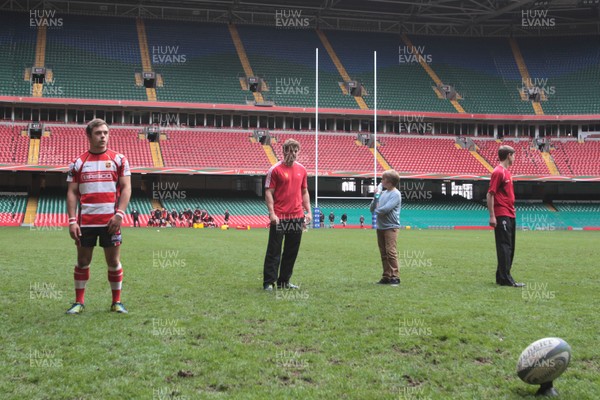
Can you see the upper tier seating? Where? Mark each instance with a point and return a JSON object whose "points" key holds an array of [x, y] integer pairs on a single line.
{"points": [[198, 62], [482, 70], [17, 46], [400, 86], [94, 57], [286, 58], [567, 68]]}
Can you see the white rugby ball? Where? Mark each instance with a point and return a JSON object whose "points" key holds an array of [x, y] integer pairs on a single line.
{"points": [[544, 360]]}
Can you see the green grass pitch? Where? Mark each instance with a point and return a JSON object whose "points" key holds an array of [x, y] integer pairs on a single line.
{"points": [[200, 327]]}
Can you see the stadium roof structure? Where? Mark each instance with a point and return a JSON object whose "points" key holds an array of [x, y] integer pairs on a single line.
{"points": [[424, 17]]}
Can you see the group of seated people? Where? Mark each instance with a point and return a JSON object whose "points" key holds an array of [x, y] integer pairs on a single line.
{"points": [[180, 219]]}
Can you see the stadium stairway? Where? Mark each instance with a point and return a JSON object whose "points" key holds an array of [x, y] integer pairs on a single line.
{"points": [[151, 94], [525, 77], [52, 210], [33, 156], [270, 154], [482, 160], [156, 204], [429, 70], [566, 68], [145, 55], [30, 210], [338, 64], [40, 58], [40, 47], [241, 52], [37, 90], [550, 163], [381, 160], [157, 158]]}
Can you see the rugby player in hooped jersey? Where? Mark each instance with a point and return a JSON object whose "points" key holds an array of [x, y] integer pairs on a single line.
{"points": [[97, 197]]}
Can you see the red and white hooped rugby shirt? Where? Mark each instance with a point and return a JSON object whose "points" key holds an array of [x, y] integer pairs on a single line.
{"points": [[98, 177]]}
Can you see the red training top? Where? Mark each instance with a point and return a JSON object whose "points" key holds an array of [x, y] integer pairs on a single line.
{"points": [[501, 186], [98, 177], [288, 183]]}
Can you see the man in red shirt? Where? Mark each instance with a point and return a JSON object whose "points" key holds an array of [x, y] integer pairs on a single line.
{"points": [[100, 186], [501, 205], [287, 198]]}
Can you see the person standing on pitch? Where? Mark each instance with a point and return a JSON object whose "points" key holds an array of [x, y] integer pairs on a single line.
{"points": [[226, 217], [386, 205], [100, 186], [501, 205], [287, 198], [136, 218]]}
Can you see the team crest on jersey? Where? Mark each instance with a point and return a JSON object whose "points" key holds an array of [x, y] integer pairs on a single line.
{"points": [[108, 164], [71, 171]]}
